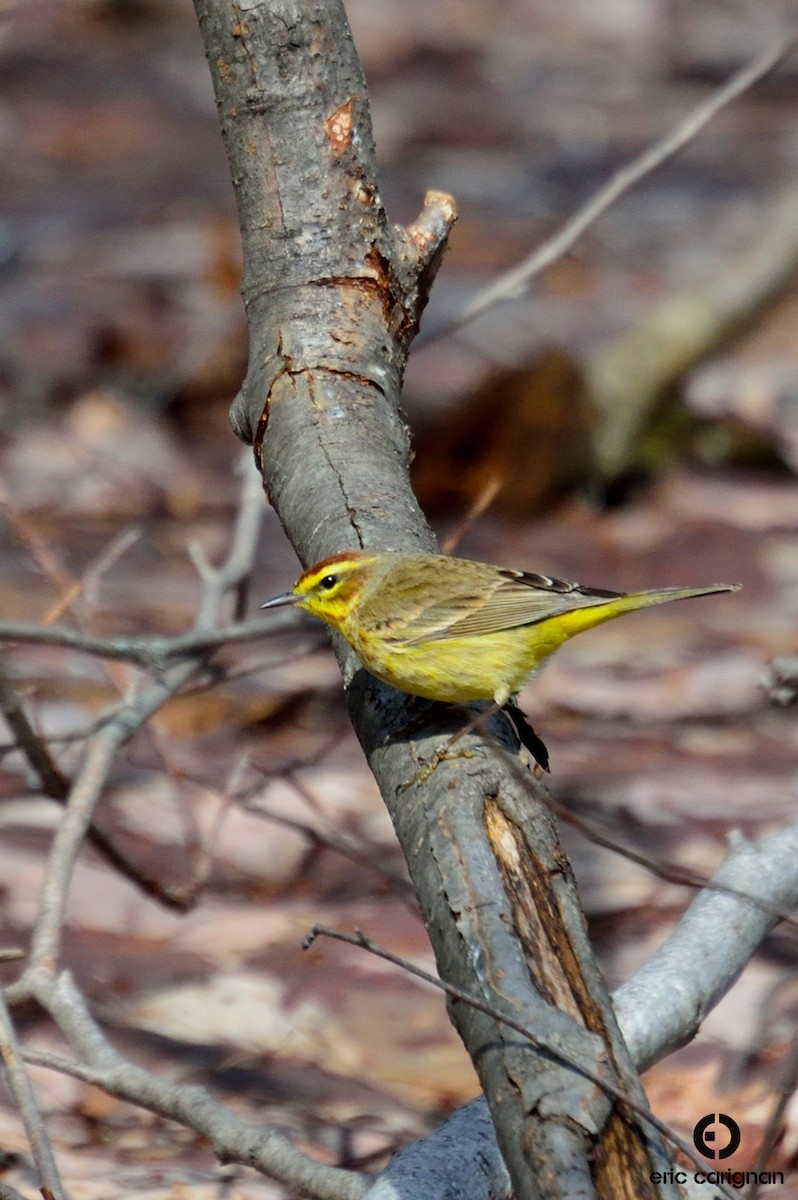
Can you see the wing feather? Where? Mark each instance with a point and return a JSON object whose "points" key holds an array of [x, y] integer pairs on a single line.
{"points": [[501, 600]]}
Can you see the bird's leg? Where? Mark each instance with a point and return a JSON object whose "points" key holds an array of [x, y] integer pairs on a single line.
{"points": [[444, 751], [521, 728], [478, 721], [500, 698], [523, 731]]}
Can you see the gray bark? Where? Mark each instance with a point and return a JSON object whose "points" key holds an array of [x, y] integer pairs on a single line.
{"points": [[334, 295]]}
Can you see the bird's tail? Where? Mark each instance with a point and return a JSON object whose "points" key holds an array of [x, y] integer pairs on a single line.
{"points": [[663, 595], [598, 610]]}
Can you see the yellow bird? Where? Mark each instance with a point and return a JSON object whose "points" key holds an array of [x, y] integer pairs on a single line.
{"points": [[454, 630]]}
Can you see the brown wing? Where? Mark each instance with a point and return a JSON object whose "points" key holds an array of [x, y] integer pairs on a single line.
{"points": [[500, 600]]}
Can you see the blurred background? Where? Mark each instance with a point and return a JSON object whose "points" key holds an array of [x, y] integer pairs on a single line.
{"points": [[632, 422]]}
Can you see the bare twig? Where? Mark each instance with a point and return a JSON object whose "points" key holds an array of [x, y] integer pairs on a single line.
{"points": [[40, 978], [514, 283], [178, 897], [27, 533], [362, 857], [359, 940], [481, 504], [264, 1149], [93, 775], [55, 785], [658, 1010], [90, 578], [203, 859], [216, 674], [52, 781], [219, 673], [773, 1125], [21, 1089], [670, 872], [151, 653], [81, 734], [194, 847], [85, 792]]}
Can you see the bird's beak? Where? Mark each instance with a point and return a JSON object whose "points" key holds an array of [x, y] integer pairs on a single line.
{"points": [[281, 601]]}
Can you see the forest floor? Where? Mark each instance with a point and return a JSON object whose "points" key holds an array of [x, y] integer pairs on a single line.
{"points": [[122, 341]]}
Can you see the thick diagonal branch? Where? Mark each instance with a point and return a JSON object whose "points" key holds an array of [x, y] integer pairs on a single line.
{"points": [[333, 297]]}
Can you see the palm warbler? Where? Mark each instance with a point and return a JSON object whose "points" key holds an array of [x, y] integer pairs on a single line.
{"points": [[455, 630]]}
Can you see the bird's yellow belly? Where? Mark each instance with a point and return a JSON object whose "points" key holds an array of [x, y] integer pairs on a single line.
{"points": [[459, 670]]}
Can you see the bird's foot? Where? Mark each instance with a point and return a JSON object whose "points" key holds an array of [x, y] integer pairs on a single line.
{"points": [[427, 769]]}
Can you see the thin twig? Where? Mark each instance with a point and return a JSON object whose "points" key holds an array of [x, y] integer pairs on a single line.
{"points": [[514, 283], [93, 775], [262, 1148], [151, 653], [82, 734], [178, 897], [26, 531], [332, 841], [359, 940], [683, 876], [56, 785], [367, 857], [22, 1091], [481, 504], [51, 779], [85, 792], [87, 583], [204, 861], [773, 1125], [217, 673], [670, 872], [192, 841]]}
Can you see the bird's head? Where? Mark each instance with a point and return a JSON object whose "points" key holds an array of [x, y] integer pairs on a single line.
{"points": [[331, 588]]}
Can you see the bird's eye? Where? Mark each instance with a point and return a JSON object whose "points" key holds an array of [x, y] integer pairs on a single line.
{"points": [[329, 581]]}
